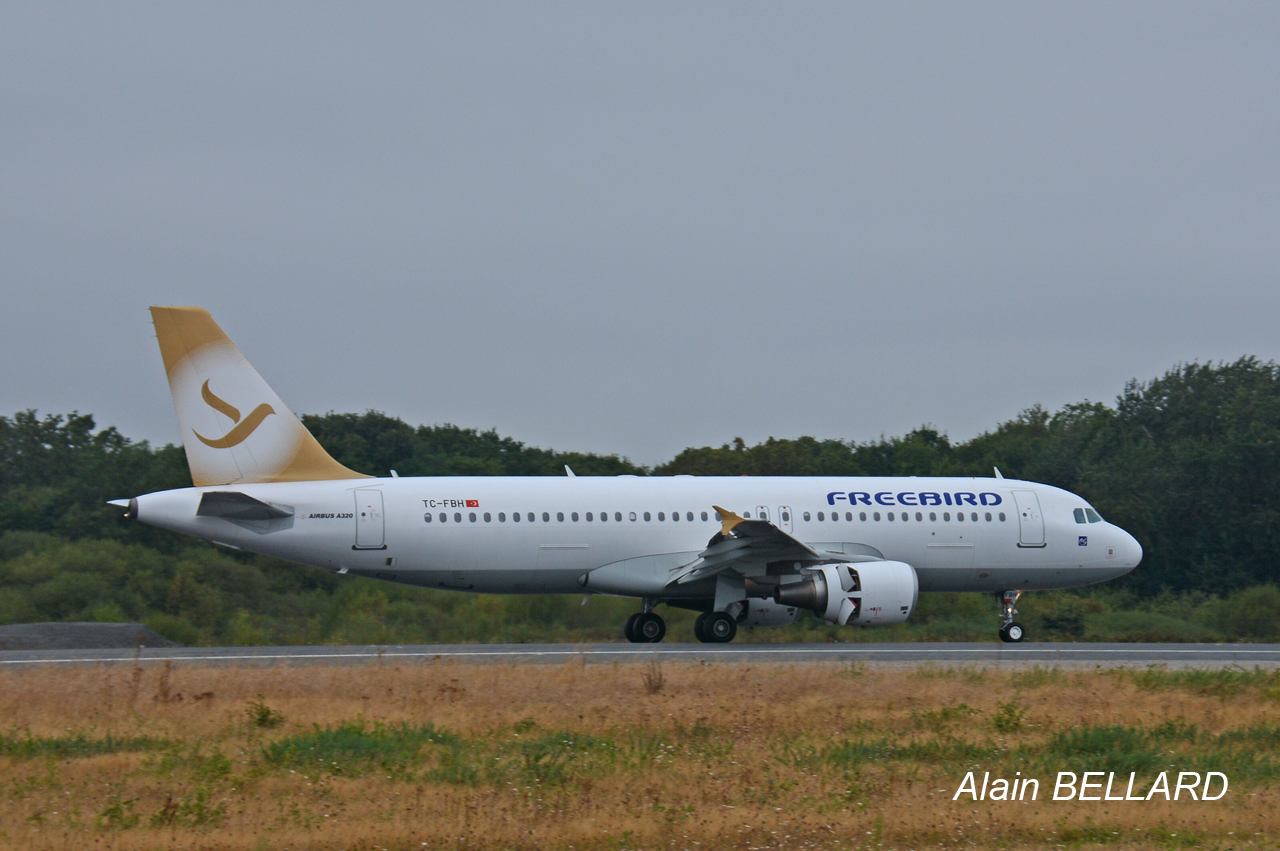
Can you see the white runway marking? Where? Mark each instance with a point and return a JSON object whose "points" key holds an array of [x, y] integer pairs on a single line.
{"points": [[1074, 654]]}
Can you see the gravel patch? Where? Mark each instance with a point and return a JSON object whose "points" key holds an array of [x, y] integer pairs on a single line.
{"points": [[80, 636]]}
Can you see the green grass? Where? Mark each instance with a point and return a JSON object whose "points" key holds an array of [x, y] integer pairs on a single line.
{"points": [[26, 746], [354, 747], [1213, 682]]}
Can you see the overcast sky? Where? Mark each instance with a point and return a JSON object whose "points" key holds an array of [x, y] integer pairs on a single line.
{"points": [[636, 228]]}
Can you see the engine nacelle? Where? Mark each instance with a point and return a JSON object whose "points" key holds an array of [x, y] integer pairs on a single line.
{"points": [[871, 593], [759, 612]]}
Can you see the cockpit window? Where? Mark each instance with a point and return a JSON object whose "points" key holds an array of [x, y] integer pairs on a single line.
{"points": [[1092, 515], [1079, 513]]}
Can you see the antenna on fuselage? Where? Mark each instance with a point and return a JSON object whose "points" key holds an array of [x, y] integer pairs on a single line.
{"points": [[570, 473], [997, 469]]}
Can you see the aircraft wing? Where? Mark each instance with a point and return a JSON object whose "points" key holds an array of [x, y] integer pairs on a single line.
{"points": [[741, 540]]}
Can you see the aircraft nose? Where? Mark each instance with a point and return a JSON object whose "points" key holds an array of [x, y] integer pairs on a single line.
{"points": [[1130, 549]]}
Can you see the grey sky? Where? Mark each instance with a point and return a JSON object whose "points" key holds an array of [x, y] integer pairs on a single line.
{"points": [[635, 228]]}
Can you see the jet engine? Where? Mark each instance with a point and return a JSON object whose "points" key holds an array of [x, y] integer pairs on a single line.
{"points": [[871, 593]]}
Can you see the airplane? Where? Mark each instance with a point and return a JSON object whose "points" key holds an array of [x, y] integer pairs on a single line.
{"points": [[742, 551]]}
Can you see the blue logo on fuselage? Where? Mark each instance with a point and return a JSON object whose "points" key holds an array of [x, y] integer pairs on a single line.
{"points": [[1084, 540], [913, 499]]}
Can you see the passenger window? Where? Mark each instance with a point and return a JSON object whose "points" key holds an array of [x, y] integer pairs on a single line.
{"points": [[444, 518], [1079, 515], [502, 517], [574, 517], [973, 515], [529, 516], [560, 516], [848, 515], [786, 517], [806, 517], [617, 515], [933, 517], [876, 516], [821, 516], [588, 516], [632, 516], [675, 516], [426, 517], [688, 516], [704, 515], [515, 517], [472, 517], [988, 516], [661, 516], [647, 517], [488, 518], [1092, 515], [746, 514], [946, 517], [1001, 516], [862, 515], [959, 516], [457, 517], [546, 518], [604, 516], [890, 516], [919, 517]]}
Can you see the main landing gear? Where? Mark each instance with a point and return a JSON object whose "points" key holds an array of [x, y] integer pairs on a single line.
{"points": [[645, 627], [715, 628], [1012, 631]]}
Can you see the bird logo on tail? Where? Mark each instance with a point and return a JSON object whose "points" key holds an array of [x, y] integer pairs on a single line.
{"points": [[242, 428]]}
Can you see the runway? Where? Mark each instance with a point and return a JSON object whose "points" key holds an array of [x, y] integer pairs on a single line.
{"points": [[976, 654]]}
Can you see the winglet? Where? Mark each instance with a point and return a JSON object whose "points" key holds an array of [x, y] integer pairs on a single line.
{"points": [[728, 520], [997, 469]]}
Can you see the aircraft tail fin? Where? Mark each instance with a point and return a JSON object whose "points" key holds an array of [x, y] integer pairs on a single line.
{"points": [[234, 427]]}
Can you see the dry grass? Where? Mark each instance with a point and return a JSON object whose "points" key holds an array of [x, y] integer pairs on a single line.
{"points": [[444, 755]]}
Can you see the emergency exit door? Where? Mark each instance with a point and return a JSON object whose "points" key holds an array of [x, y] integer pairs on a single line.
{"points": [[370, 529], [784, 519]]}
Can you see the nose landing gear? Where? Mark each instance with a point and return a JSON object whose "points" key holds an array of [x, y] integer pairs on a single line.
{"points": [[1011, 632]]}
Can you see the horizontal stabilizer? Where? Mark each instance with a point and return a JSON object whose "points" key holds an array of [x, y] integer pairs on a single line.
{"points": [[234, 505]]}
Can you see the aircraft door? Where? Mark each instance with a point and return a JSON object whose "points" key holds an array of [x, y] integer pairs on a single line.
{"points": [[784, 519], [370, 528], [762, 512], [1030, 520]]}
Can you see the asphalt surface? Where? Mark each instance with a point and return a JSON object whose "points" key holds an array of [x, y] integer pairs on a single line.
{"points": [[977, 654]]}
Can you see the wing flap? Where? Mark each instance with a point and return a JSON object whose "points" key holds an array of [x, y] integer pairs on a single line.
{"points": [[741, 540]]}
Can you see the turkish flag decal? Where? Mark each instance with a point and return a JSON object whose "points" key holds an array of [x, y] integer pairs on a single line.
{"points": [[473, 503]]}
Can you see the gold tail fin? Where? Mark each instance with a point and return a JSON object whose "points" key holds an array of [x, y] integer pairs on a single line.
{"points": [[212, 384]]}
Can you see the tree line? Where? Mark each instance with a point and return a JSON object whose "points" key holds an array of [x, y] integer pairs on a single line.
{"points": [[1188, 462]]}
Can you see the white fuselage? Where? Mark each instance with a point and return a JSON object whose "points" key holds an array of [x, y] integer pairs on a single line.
{"points": [[960, 534]]}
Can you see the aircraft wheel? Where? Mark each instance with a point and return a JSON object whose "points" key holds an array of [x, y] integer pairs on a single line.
{"points": [[649, 628], [719, 628], [1012, 633], [629, 630], [700, 627]]}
